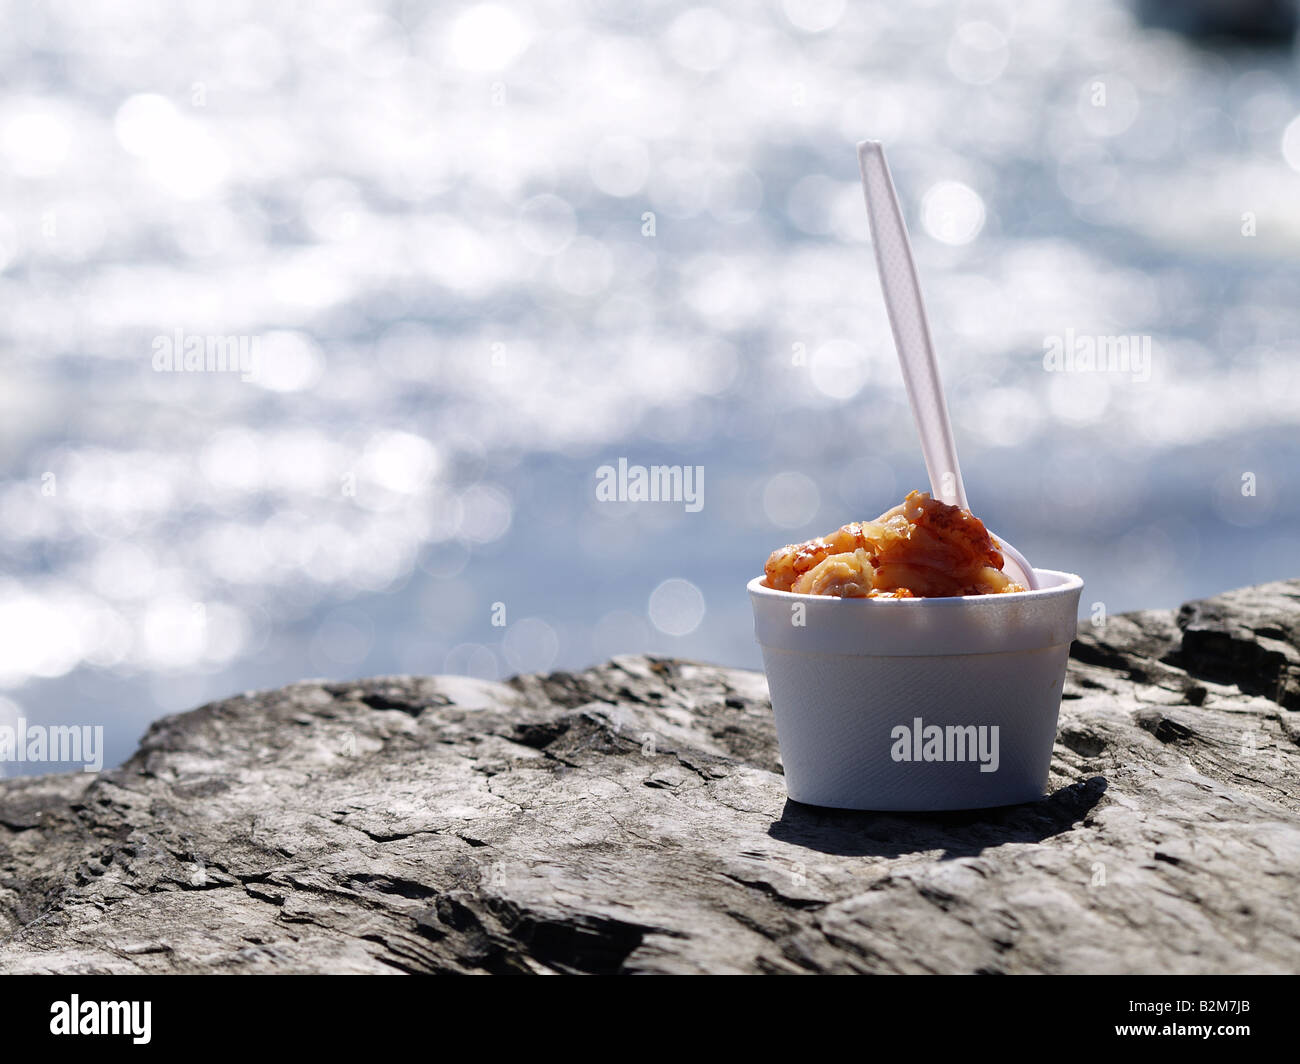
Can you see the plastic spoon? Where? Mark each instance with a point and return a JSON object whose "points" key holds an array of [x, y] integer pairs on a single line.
{"points": [[915, 351]]}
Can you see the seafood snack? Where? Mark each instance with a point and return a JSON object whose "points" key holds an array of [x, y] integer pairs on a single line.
{"points": [[921, 548]]}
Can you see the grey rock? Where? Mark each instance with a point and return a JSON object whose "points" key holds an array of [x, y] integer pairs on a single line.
{"points": [[632, 818]]}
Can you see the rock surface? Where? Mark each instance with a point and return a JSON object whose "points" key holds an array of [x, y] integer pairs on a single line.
{"points": [[632, 818]]}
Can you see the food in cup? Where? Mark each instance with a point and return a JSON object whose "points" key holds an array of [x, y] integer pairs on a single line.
{"points": [[921, 548], [846, 674], [851, 678]]}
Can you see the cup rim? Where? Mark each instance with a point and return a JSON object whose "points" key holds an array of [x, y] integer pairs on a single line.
{"points": [[1070, 582]]}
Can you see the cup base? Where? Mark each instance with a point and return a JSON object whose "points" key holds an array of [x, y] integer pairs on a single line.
{"points": [[916, 734], [914, 808]]}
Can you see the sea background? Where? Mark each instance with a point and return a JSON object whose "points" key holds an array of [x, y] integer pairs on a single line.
{"points": [[484, 250]]}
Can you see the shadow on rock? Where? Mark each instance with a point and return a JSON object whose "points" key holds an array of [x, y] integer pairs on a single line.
{"points": [[849, 833]]}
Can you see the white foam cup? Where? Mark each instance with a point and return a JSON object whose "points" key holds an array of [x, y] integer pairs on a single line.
{"points": [[917, 704]]}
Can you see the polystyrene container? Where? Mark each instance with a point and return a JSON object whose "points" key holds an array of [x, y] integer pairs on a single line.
{"points": [[917, 704]]}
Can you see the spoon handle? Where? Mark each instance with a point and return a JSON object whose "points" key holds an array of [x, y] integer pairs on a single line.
{"points": [[911, 331]]}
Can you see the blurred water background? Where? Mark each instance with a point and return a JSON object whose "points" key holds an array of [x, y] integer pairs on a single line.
{"points": [[487, 249]]}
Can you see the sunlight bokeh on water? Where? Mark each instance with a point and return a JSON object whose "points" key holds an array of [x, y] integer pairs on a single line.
{"points": [[475, 254]]}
